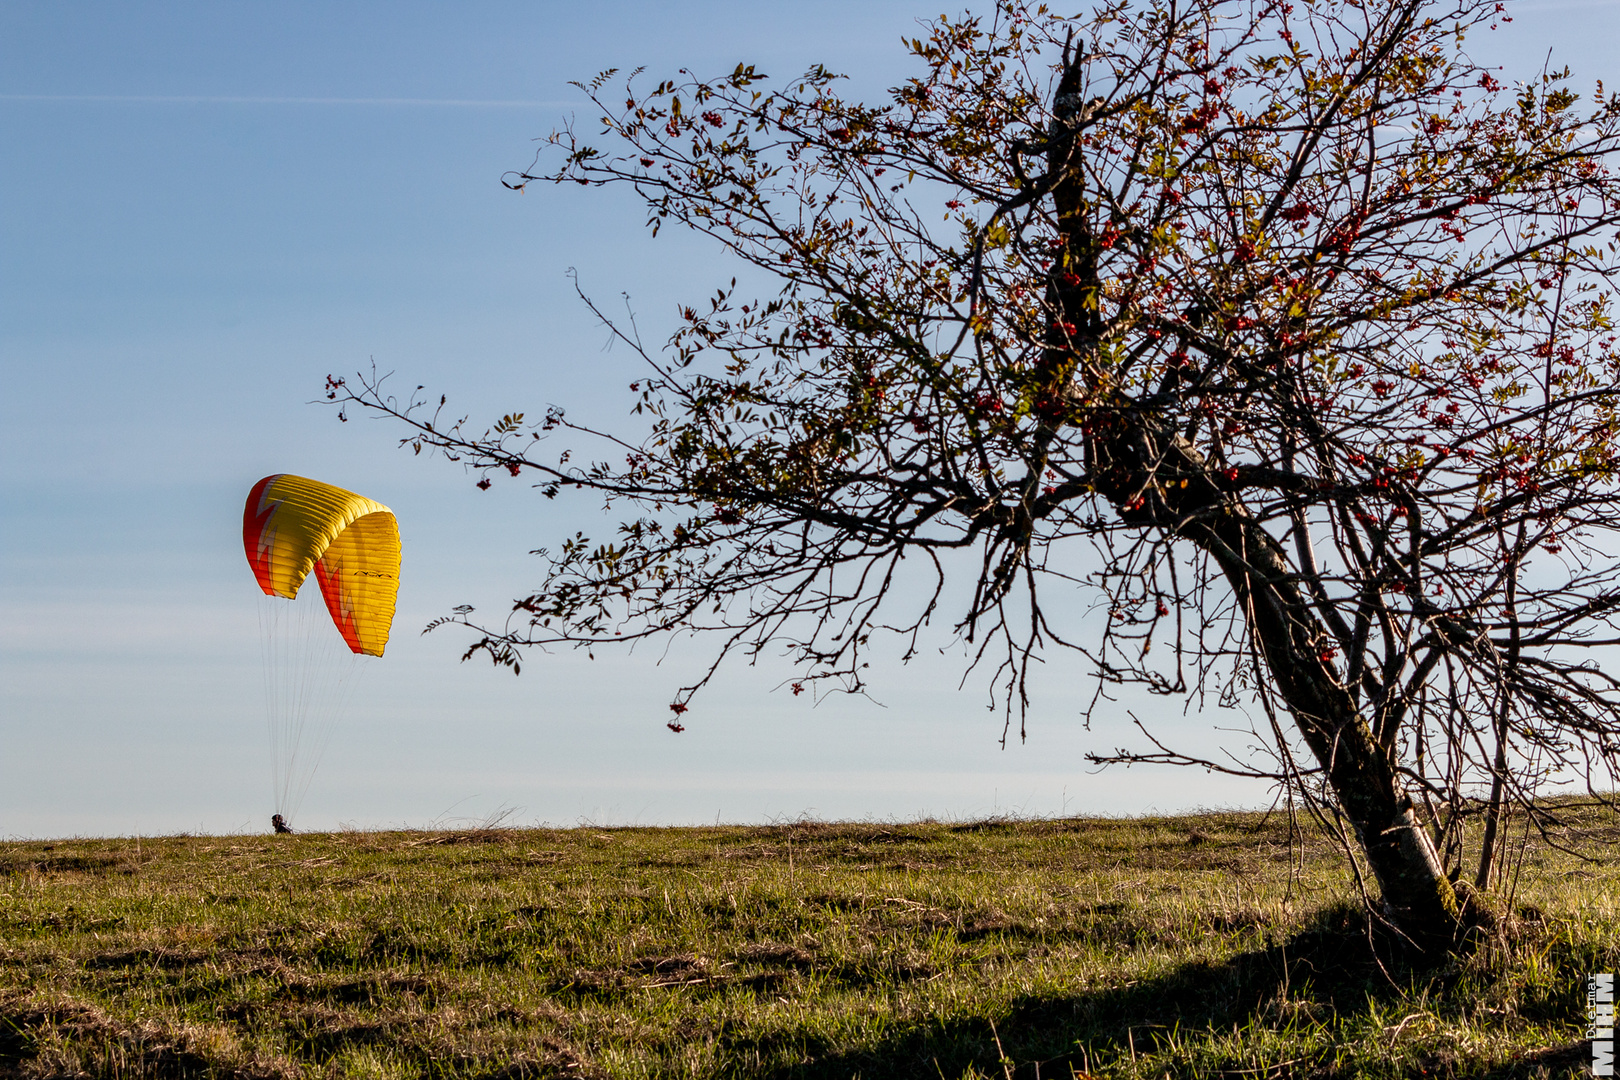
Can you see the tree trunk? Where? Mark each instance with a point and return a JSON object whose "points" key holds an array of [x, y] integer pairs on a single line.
{"points": [[1141, 466], [1417, 896], [1141, 470]]}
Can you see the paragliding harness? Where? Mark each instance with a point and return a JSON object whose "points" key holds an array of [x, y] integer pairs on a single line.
{"points": [[279, 823]]}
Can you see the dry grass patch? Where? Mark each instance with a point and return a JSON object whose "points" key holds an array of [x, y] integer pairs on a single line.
{"points": [[1199, 946]]}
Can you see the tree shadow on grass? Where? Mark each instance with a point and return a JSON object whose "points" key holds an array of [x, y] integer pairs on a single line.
{"points": [[1337, 967]]}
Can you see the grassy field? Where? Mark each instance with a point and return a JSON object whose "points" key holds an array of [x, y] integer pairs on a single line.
{"points": [[1197, 946]]}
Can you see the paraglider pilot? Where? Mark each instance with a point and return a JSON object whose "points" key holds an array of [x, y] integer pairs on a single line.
{"points": [[279, 823]]}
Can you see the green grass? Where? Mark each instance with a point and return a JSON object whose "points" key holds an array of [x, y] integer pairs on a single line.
{"points": [[1192, 946]]}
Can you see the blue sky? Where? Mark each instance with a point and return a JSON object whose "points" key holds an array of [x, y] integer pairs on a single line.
{"points": [[205, 209]]}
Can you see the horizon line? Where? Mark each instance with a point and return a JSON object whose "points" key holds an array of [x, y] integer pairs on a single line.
{"points": [[213, 99]]}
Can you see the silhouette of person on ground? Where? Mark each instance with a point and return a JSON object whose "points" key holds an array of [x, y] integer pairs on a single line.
{"points": [[279, 823]]}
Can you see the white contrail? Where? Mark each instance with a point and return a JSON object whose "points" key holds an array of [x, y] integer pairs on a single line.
{"points": [[201, 99], [1557, 5]]}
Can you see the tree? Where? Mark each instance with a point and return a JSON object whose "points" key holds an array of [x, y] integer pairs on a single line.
{"points": [[1293, 314]]}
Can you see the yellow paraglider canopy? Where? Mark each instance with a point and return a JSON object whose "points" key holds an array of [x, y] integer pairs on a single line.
{"points": [[293, 525]]}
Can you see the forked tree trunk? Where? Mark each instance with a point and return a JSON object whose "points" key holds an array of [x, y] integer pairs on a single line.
{"points": [[1141, 466]]}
